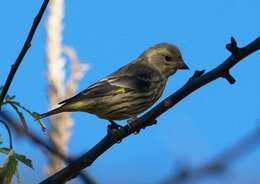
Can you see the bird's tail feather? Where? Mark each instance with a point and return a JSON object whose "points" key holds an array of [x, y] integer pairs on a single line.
{"points": [[50, 113]]}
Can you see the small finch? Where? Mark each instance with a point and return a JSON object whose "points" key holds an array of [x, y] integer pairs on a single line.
{"points": [[130, 90]]}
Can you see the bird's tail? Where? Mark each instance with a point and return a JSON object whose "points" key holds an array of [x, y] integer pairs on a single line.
{"points": [[50, 113]]}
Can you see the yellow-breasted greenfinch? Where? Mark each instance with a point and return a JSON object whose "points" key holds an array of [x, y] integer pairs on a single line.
{"points": [[130, 90]]}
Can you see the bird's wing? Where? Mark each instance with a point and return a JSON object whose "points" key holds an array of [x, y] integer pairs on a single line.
{"points": [[115, 84]]}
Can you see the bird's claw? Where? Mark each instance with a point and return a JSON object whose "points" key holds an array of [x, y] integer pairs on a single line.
{"points": [[129, 123], [113, 127]]}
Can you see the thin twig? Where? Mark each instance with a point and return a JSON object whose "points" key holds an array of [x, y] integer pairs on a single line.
{"points": [[26, 46], [9, 134], [35, 139], [198, 80]]}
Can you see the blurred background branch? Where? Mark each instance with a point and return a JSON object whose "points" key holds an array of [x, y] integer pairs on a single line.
{"points": [[41, 143], [220, 163]]}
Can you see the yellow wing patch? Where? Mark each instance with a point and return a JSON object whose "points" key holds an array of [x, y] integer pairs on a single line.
{"points": [[121, 90]]}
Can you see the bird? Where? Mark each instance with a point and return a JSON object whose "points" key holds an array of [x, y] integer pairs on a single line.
{"points": [[130, 90]]}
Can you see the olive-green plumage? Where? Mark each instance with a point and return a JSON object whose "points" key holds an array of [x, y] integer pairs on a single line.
{"points": [[131, 89]]}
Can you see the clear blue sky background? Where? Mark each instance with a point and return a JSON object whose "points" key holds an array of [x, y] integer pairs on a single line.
{"points": [[109, 34]]}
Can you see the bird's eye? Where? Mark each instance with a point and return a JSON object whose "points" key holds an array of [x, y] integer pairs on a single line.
{"points": [[168, 58]]}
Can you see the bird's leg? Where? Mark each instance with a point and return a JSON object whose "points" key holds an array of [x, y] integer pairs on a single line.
{"points": [[130, 120], [112, 127], [114, 124]]}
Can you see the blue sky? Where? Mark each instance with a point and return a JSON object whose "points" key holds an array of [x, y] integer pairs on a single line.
{"points": [[109, 34]]}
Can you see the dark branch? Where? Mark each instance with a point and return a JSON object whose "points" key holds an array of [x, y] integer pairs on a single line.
{"points": [[229, 77], [198, 80], [232, 46], [26, 46], [35, 139]]}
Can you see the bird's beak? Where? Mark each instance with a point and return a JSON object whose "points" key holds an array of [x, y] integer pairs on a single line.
{"points": [[183, 66]]}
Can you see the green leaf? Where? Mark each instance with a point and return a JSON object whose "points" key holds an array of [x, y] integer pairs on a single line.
{"points": [[8, 169], [16, 105], [5, 150], [33, 114], [20, 114], [36, 116], [1, 139], [24, 160], [19, 157], [9, 98]]}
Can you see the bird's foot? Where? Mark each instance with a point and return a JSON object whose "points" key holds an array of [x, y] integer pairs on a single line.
{"points": [[130, 121], [113, 127]]}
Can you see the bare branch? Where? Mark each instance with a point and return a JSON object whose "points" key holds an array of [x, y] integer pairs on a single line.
{"points": [[232, 46], [198, 80], [35, 139], [26, 46]]}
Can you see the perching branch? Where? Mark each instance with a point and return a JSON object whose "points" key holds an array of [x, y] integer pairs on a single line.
{"points": [[221, 162], [35, 139], [198, 80], [26, 46]]}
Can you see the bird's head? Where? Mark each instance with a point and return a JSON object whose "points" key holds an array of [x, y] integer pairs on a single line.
{"points": [[165, 58]]}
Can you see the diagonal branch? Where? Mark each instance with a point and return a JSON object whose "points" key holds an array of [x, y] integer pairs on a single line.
{"points": [[35, 139], [198, 80], [26, 46]]}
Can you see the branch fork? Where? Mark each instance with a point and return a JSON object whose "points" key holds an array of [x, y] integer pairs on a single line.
{"points": [[229, 77], [197, 74], [232, 46]]}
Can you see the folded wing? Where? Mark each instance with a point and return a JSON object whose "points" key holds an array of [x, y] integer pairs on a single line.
{"points": [[113, 85]]}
